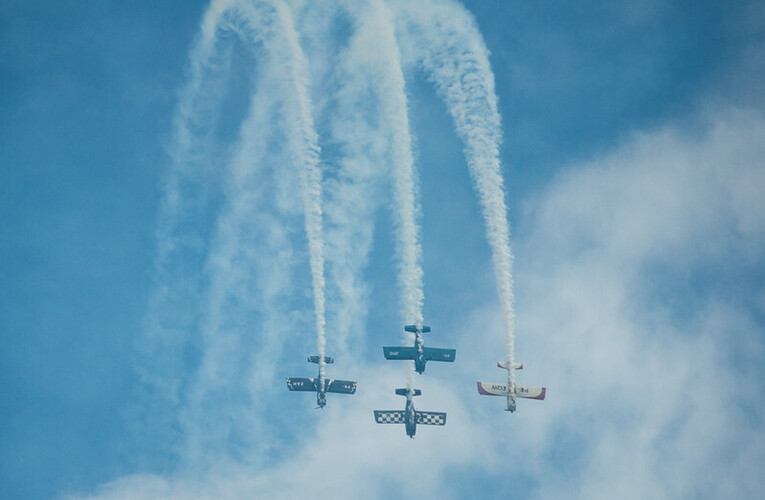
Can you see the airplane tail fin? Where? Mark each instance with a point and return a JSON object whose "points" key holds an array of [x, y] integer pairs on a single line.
{"points": [[315, 359], [404, 392], [413, 328], [505, 364]]}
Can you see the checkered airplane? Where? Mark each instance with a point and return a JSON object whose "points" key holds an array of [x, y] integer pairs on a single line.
{"points": [[410, 417]]}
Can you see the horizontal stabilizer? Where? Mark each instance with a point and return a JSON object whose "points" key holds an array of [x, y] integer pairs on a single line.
{"points": [[315, 359], [404, 392], [492, 389], [530, 392], [340, 386], [301, 384], [505, 364], [389, 416], [399, 352], [430, 417], [437, 354], [413, 329]]}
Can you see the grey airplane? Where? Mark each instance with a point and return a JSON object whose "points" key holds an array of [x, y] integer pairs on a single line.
{"points": [[419, 353], [321, 385]]}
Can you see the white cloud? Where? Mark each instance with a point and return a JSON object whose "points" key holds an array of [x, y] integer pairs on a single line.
{"points": [[640, 403], [653, 398]]}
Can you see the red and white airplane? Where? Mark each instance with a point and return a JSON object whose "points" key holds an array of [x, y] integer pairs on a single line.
{"points": [[511, 389]]}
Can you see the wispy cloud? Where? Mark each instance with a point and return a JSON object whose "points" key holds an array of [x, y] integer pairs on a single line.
{"points": [[640, 355]]}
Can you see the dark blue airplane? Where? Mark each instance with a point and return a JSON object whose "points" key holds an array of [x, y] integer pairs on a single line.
{"points": [[410, 417], [314, 384], [419, 353]]}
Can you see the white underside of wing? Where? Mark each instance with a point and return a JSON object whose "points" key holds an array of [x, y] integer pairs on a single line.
{"points": [[493, 389]]}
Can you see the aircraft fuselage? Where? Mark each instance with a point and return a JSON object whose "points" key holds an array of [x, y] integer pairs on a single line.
{"points": [[410, 418], [419, 360], [321, 399]]}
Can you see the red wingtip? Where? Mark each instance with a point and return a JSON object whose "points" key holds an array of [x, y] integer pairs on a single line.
{"points": [[481, 390]]}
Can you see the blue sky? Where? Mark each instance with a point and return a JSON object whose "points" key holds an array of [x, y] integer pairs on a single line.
{"points": [[632, 156]]}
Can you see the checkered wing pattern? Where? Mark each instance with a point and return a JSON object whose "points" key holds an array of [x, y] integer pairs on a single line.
{"points": [[389, 417], [431, 418]]}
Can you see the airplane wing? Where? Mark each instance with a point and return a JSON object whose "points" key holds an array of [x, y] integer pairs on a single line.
{"points": [[301, 384], [340, 386], [389, 416], [399, 352], [530, 392], [493, 389], [436, 354], [430, 417], [522, 391]]}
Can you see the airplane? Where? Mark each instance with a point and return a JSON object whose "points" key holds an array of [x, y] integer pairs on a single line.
{"points": [[409, 417], [511, 389], [315, 384], [418, 353]]}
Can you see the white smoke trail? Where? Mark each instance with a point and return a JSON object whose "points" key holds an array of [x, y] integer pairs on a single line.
{"points": [[303, 143], [358, 167], [281, 38], [171, 323], [449, 46], [372, 135], [231, 264], [388, 76]]}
